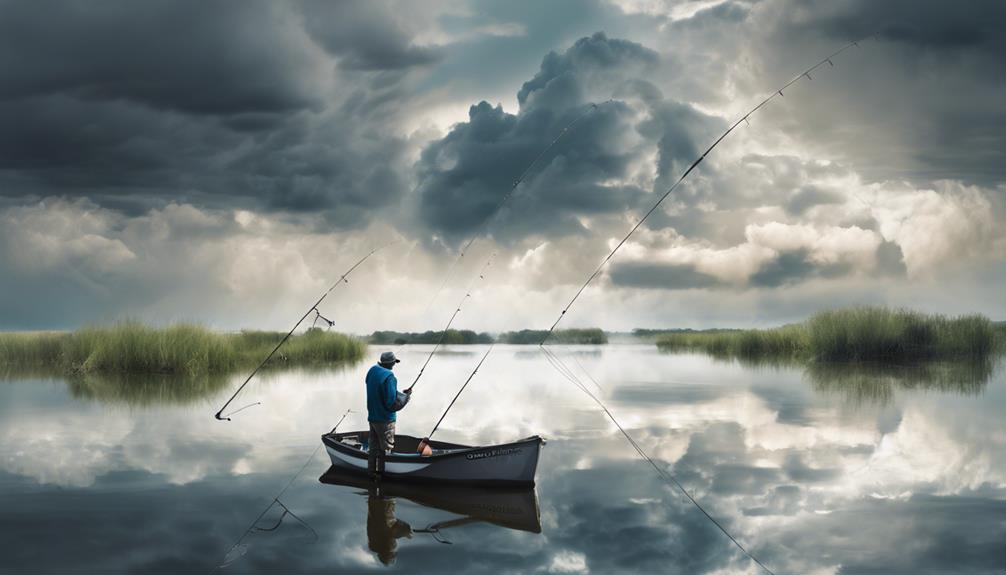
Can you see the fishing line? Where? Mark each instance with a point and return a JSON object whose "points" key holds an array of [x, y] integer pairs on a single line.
{"points": [[314, 308], [744, 118], [470, 376], [506, 197], [275, 500], [587, 373], [570, 376], [443, 334]]}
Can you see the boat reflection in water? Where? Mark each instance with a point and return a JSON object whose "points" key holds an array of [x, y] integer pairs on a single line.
{"points": [[512, 508]]}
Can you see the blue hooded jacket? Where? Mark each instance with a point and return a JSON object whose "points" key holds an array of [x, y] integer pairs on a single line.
{"points": [[382, 390]]}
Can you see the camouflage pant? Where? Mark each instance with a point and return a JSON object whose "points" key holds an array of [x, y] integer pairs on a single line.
{"points": [[382, 442]]}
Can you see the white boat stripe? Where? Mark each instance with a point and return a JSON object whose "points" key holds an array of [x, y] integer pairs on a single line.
{"points": [[392, 466]]}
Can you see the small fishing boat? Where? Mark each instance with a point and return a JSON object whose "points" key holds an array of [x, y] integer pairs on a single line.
{"points": [[511, 464], [512, 508]]}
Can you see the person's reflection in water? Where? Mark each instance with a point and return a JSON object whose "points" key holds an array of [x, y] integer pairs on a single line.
{"points": [[383, 528]]}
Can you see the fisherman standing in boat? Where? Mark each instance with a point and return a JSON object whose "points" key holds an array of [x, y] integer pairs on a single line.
{"points": [[383, 400]]}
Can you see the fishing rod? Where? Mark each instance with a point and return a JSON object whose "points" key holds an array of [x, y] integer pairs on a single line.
{"points": [[443, 334], [506, 197], [470, 376], [779, 92], [314, 308], [571, 376]]}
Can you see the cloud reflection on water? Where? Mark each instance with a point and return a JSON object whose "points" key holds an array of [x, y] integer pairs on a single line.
{"points": [[809, 481]]}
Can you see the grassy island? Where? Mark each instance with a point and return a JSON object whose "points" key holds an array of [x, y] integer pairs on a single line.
{"points": [[184, 349], [865, 334]]}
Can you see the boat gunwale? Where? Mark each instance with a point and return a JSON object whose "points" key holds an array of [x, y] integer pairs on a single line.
{"points": [[332, 440]]}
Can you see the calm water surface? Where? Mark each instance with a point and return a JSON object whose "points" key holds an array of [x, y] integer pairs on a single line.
{"points": [[823, 472]]}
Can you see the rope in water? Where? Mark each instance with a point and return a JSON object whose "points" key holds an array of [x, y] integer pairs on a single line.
{"points": [[570, 376], [744, 118], [314, 308]]}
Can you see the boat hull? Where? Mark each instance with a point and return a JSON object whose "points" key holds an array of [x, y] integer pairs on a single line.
{"points": [[512, 463]]}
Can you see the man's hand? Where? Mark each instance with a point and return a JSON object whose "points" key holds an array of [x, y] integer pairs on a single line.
{"points": [[408, 391]]}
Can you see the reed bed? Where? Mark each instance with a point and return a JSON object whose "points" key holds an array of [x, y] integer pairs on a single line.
{"points": [[852, 335], [133, 348]]}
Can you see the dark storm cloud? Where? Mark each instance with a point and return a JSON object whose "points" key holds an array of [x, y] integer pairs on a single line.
{"points": [[890, 259], [364, 35], [783, 500], [794, 267], [810, 196], [195, 57], [213, 103], [786, 268], [922, 101], [463, 176], [661, 276]]}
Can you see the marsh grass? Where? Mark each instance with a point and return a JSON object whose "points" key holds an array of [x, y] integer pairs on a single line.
{"points": [[183, 349], [780, 344], [852, 335]]}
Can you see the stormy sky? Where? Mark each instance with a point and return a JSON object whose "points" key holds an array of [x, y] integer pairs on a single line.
{"points": [[225, 162]]}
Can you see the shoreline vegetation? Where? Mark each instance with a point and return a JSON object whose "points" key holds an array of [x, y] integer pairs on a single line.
{"points": [[856, 335], [132, 348], [452, 337], [181, 349], [585, 336], [863, 334]]}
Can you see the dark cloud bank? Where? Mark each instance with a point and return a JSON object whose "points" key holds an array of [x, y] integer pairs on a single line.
{"points": [[589, 172], [211, 103], [296, 108]]}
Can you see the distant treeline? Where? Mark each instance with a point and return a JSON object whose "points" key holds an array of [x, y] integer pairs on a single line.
{"points": [[184, 349], [590, 335], [853, 335], [657, 333], [593, 336], [452, 337]]}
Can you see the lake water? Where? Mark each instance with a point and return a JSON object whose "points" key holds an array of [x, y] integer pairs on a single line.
{"points": [[824, 472]]}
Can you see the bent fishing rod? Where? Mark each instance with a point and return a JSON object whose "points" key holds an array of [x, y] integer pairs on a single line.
{"points": [[568, 373], [779, 92], [314, 308]]}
